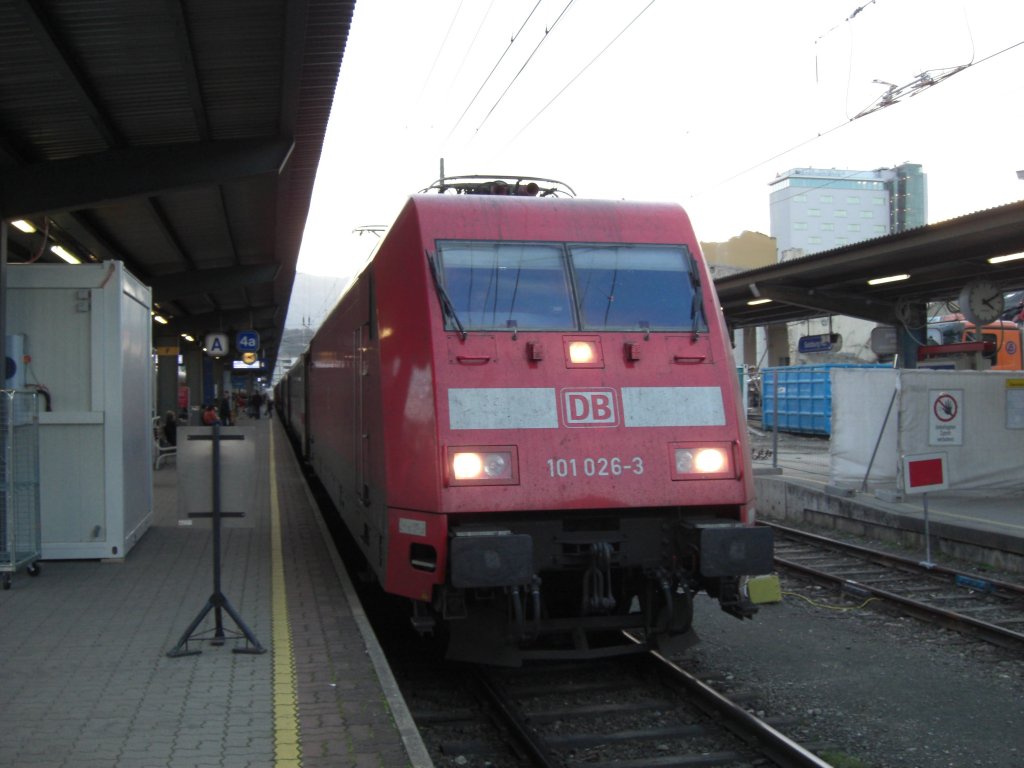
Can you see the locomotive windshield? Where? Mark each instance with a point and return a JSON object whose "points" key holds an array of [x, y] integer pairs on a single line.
{"points": [[556, 287]]}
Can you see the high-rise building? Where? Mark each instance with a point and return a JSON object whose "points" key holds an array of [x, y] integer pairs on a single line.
{"points": [[815, 209]]}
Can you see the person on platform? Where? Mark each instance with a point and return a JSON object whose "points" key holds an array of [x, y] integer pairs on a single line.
{"points": [[225, 410], [170, 428], [210, 416]]}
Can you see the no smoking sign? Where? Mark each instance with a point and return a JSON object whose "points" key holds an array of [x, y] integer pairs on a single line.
{"points": [[945, 417]]}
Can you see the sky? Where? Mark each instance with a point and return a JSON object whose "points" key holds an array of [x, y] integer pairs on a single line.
{"points": [[702, 104]]}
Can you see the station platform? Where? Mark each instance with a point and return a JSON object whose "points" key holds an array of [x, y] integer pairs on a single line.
{"points": [[87, 681], [793, 484]]}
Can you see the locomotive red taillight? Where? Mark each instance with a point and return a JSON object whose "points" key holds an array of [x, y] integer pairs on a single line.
{"points": [[702, 462], [483, 465]]}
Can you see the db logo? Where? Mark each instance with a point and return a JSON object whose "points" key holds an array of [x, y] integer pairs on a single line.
{"points": [[589, 408]]}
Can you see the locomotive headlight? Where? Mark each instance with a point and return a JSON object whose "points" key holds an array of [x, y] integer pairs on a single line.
{"points": [[496, 465], [483, 466], [467, 466], [581, 352], [694, 462]]}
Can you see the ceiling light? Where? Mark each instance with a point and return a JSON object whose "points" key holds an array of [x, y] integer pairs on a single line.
{"points": [[160, 319], [25, 226], [69, 257], [889, 279], [1008, 257], [755, 302]]}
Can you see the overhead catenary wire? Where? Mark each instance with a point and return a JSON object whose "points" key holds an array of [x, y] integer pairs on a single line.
{"points": [[440, 49], [585, 68], [547, 32], [493, 69], [862, 114], [472, 44], [825, 34]]}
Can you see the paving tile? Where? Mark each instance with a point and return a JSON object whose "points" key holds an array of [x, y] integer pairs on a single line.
{"points": [[88, 682]]}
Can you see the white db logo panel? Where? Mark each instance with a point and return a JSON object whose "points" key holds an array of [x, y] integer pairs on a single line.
{"points": [[589, 408]]}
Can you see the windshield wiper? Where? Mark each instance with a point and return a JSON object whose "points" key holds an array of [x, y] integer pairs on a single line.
{"points": [[442, 295], [697, 305]]}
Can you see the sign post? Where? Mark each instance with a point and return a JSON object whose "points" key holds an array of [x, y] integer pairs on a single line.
{"points": [[217, 602], [925, 472]]}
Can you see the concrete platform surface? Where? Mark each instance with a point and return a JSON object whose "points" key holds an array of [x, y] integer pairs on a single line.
{"points": [[87, 680], [792, 483]]}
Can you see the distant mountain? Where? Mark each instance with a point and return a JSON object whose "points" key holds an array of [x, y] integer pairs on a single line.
{"points": [[313, 296], [293, 343]]}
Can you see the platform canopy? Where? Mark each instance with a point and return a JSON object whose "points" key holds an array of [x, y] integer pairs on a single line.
{"points": [[181, 138], [937, 261]]}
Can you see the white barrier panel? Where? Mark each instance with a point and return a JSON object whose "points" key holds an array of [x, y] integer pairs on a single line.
{"points": [[975, 417], [860, 401]]}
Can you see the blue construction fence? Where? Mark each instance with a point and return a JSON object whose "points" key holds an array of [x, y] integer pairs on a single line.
{"points": [[804, 395]]}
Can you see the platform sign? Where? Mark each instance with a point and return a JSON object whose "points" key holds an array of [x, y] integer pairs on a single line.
{"points": [[247, 341], [945, 417], [925, 472], [1015, 403], [884, 340], [824, 342], [216, 344]]}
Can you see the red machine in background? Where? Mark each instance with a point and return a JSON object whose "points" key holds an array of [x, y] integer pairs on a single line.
{"points": [[526, 412], [954, 342]]}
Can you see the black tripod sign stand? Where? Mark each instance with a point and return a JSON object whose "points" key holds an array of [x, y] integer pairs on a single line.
{"points": [[217, 602]]}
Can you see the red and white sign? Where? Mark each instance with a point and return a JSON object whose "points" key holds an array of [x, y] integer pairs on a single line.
{"points": [[945, 417], [589, 408], [925, 472]]}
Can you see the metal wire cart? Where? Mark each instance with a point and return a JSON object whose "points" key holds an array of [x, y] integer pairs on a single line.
{"points": [[20, 534]]}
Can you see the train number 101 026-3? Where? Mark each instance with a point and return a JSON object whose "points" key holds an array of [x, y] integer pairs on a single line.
{"points": [[595, 467]]}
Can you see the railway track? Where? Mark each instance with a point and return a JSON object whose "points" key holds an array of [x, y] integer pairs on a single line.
{"points": [[637, 711], [987, 608], [633, 712]]}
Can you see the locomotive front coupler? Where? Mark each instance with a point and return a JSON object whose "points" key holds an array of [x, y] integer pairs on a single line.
{"points": [[597, 580], [526, 619], [676, 588], [733, 601]]}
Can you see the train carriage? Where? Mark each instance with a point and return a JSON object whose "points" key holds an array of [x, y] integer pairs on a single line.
{"points": [[527, 414]]}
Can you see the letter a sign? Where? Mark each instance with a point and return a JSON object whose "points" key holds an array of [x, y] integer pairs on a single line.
{"points": [[216, 344]]}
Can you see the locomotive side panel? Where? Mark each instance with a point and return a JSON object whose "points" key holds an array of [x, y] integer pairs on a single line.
{"points": [[403, 290], [406, 443], [292, 400], [344, 381]]}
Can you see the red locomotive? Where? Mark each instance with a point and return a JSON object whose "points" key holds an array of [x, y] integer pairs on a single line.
{"points": [[526, 411]]}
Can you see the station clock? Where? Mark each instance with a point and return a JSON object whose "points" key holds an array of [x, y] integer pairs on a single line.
{"points": [[981, 302]]}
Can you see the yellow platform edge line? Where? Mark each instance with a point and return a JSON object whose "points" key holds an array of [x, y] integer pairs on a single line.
{"points": [[287, 749]]}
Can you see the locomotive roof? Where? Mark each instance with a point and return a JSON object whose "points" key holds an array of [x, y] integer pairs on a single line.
{"points": [[529, 218]]}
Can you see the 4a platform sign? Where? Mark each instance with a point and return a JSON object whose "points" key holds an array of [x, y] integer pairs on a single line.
{"points": [[247, 341]]}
